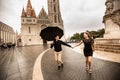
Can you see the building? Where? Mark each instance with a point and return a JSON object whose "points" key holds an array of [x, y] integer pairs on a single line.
{"points": [[31, 25], [112, 19], [7, 34]]}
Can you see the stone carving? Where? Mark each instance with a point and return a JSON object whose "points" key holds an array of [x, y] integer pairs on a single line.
{"points": [[116, 17], [109, 7], [111, 19]]}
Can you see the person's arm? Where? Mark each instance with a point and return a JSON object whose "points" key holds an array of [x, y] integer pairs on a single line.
{"points": [[52, 44], [65, 44], [79, 43]]}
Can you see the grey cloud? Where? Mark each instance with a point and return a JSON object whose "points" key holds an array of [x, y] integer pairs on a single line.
{"points": [[78, 15]]}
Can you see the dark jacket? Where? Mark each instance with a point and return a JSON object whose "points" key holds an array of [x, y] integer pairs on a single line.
{"points": [[57, 45]]}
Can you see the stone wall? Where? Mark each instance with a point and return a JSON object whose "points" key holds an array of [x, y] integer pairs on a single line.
{"points": [[109, 45]]}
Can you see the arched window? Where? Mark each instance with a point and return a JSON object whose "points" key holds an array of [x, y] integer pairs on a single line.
{"points": [[29, 30], [59, 18], [55, 19], [19, 40], [54, 8], [23, 20], [29, 39], [53, 0]]}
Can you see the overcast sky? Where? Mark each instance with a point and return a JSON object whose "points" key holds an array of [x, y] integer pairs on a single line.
{"points": [[78, 15]]}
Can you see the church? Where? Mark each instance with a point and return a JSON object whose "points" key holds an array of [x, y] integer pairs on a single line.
{"points": [[32, 24]]}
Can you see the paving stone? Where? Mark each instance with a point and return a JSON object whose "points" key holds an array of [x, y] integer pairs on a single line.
{"points": [[74, 67]]}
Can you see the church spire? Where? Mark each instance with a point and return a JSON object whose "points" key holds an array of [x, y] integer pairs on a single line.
{"points": [[43, 14], [33, 13], [29, 10], [23, 13], [29, 6]]}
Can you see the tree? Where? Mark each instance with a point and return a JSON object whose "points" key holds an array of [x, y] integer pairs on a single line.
{"points": [[96, 34], [81, 36], [101, 32], [75, 37]]}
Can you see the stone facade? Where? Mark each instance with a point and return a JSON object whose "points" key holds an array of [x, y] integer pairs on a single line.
{"points": [[112, 19], [31, 25], [111, 40], [7, 34], [109, 45]]}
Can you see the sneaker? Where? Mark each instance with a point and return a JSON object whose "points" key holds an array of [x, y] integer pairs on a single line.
{"points": [[58, 67], [62, 65], [90, 71]]}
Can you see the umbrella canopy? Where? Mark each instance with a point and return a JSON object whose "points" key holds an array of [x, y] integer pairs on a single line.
{"points": [[50, 32]]}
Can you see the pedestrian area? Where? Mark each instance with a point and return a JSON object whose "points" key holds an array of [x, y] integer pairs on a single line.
{"points": [[74, 67], [19, 64]]}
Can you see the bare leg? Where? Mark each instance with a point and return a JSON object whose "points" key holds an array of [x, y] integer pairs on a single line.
{"points": [[87, 64], [89, 61]]}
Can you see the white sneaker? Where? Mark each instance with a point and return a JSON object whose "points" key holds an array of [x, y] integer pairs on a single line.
{"points": [[90, 71]]}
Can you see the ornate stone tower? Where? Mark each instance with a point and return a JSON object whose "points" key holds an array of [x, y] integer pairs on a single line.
{"points": [[31, 25], [28, 24], [112, 19], [54, 13]]}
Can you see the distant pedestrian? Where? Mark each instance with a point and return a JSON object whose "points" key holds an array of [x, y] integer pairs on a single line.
{"points": [[13, 45], [5, 45], [88, 50], [57, 44]]}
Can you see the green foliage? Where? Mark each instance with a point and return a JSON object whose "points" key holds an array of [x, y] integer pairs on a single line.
{"points": [[76, 36], [96, 34]]}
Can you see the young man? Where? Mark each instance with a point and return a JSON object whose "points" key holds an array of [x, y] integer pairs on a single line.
{"points": [[58, 50]]}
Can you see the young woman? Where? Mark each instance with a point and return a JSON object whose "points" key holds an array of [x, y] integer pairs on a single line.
{"points": [[58, 51], [88, 50]]}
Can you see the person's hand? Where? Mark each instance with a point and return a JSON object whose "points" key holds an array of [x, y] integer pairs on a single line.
{"points": [[93, 49], [72, 47], [51, 43]]}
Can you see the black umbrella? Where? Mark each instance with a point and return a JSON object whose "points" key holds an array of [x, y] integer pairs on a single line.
{"points": [[50, 32]]}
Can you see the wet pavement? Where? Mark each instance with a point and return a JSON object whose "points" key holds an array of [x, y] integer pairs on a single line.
{"points": [[18, 64], [74, 67]]}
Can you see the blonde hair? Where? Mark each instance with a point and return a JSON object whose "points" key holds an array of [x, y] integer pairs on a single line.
{"points": [[89, 35]]}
